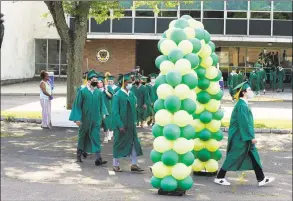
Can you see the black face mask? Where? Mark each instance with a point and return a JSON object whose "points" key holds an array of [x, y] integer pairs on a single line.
{"points": [[94, 84], [137, 82]]}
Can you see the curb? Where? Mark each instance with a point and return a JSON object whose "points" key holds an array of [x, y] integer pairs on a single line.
{"points": [[224, 129], [29, 94]]}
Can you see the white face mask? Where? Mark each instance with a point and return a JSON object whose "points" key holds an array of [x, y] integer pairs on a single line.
{"points": [[128, 86], [153, 80], [250, 95]]}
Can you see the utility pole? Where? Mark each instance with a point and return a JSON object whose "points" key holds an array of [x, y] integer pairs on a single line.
{"points": [[1, 29]]}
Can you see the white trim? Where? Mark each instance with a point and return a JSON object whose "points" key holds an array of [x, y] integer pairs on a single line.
{"points": [[201, 11], [213, 37], [272, 16], [225, 16], [248, 17], [90, 26]]}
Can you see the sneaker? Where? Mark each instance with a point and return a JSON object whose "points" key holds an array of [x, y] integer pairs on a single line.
{"points": [[106, 140], [266, 181], [222, 182], [135, 168], [109, 136]]}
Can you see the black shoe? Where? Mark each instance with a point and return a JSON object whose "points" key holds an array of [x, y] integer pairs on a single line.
{"points": [[135, 168], [100, 161], [78, 156], [84, 155], [282, 90]]}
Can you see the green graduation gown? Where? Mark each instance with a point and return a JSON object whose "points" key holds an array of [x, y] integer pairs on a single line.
{"points": [[240, 78], [281, 78], [232, 82], [124, 116], [254, 81], [153, 97], [241, 132], [273, 79], [107, 122], [262, 78], [142, 97], [115, 89], [88, 108]]}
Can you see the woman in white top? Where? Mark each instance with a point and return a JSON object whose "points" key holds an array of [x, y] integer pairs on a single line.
{"points": [[45, 99]]}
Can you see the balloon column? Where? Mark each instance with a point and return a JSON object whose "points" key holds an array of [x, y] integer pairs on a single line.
{"points": [[187, 110]]}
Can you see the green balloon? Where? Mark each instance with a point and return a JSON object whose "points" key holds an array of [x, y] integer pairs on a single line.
{"points": [[204, 155], [169, 183], [186, 17], [196, 45], [199, 33], [172, 104], [204, 135], [164, 35], [170, 158], [175, 54], [218, 77], [190, 80], [171, 131], [203, 83], [159, 60], [159, 104], [187, 132], [173, 78], [157, 130], [217, 155], [203, 97], [178, 35], [193, 59], [181, 23], [218, 135], [188, 105], [215, 58], [155, 156], [218, 115], [160, 80], [160, 42], [185, 184], [195, 116], [206, 117], [218, 96], [201, 72], [212, 45], [187, 158], [207, 37], [156, 182], [194, 153]]}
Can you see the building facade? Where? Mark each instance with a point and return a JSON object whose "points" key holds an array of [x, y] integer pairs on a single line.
{"points": [[243, 31]]}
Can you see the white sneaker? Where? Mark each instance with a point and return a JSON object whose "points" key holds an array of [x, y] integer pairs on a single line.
{"points": [[109, 137], [222, 182], [106, 140], [266, 181]]}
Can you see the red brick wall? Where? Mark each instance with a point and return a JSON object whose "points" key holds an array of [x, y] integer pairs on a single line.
{"points": [[122, 55]]}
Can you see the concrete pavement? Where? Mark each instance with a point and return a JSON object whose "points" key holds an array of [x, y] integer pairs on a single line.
{"points": [[39, 165]]}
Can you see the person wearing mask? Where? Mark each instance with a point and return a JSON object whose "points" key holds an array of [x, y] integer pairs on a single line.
{"points": [[240, 77], [126, 141], [281, 76], [111, 83], [87, 112], [108, 93], [142, 97], [242, 153], [152, 91], [254, 80], [232, 82], [273, 78], [45, 100], [263, 79]]}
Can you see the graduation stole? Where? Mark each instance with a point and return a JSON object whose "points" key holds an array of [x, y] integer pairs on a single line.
{"points": [[236, 96], [85, 80]]}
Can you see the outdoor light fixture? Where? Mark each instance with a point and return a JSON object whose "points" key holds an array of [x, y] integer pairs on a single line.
{"points": [[88, 41], [270, 44]]}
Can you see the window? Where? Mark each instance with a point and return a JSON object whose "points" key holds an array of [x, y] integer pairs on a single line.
{"points": [[195, 5], [236, 14], [253, 55], [53, 56], [260, 5], [237, 5], [283, 5], [282, 16], [213, 14], [40, 55], [192, 13], [140, 13], [127, 4], [260, 15], [223, 54], [213, 5], [167, 14], [237, 56], [127, 13]]}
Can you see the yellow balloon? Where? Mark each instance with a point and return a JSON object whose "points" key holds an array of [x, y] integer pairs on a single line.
{"points": [[213, 105], [163, 117], [205, 51], [197, 165], [195, 24], [182, 91], [214, 126], [172, 23], [198, 144], [180, 171], [186, 46], [198, 125], [189, 32], [166, 66], [161, 144], [212, 145], [197, 90], [181, 118], [199, 108], [206, 62], [193, 96], [211, 72], [167, 46], [160, 170], [202, 42], [194, 73], [183, 66], [168, 32], [182, 145], [211, 165], [165, 90], [214, 88]]}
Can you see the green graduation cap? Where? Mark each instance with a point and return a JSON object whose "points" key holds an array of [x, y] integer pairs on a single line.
{"points": [[100, 76], [153, 75], [124, 77], [234, 68], [92, 73], [144, 78], [240, 87], [111, 77]]}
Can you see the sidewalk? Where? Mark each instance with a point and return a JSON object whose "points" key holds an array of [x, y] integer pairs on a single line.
{"points": [[32, 88]]}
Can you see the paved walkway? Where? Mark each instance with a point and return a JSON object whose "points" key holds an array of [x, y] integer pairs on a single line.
{"points": [[32, 88]]}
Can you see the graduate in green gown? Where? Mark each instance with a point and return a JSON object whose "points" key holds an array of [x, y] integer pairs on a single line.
{"points": [[87, 112], [273, 78], [240, 77], [232, 82], [143, 100], [281, 78], [254, 80], [242, 153], [126, 142], [112, 84], [107, 98], [262, 79], [152, 91]]}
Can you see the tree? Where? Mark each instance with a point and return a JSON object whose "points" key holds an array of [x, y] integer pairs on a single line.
{"points": [[75, 36], [1, 29]]}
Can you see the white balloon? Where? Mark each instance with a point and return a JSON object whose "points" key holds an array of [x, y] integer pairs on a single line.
{"points": [[172, 23], [195, 24], [183, 66], [190, 32], [167, 46], [186, 46], [182, 91], [166, 66], [168, 32], [165, 90], [205, 51]]}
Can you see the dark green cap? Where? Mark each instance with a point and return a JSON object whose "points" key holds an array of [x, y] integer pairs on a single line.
{"points": [[153, 75], [243, 86], [144, 79], [126, 77], [111, 77], [92, 73]]}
